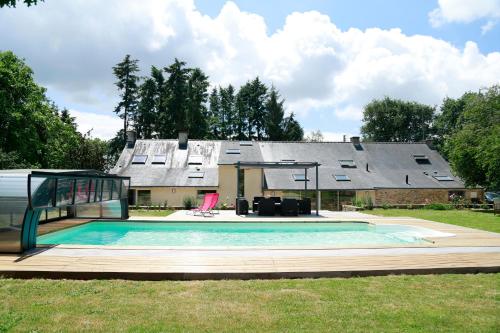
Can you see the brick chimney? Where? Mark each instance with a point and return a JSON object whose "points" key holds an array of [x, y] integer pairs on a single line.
{"points": [[131, 137], [183, 139]]}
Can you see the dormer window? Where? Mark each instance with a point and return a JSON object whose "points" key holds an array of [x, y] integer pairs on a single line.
{"points": [[421, 159], [347, 163], [139, 159], [195, 160]]}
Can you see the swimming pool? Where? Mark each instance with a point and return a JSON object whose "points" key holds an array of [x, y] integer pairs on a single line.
{"points": [[229, 234]]}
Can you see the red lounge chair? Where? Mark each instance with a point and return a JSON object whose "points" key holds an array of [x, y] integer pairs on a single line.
{"points": [[207, 202], [213, 204]]}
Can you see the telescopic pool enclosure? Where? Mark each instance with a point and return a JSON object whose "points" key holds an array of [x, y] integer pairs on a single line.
{"points": [[26, 194]]}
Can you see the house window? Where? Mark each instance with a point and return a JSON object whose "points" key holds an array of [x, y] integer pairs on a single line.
{"points": [[196, 174], [421, 159], [246, 143], [203, 192], [195, 160], [300, 177], [443, 178], [347, 163], [233, 151], [159, 159], [342, 178], [139, 159], [143, 197]]}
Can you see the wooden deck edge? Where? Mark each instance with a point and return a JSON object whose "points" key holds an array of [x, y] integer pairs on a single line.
{"points": [[179, 276]]}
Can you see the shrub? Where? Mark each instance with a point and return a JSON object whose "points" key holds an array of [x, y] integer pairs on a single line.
{"points": [[437, 206], [189, 202]]}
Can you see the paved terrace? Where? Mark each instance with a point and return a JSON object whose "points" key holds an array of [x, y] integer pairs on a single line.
{"points": [[468, 251]]}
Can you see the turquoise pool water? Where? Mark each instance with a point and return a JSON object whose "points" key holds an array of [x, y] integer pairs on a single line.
{"points": [[233, 234]]}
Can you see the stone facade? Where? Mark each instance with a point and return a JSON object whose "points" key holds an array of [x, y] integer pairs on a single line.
{"points": [[421, 196]]}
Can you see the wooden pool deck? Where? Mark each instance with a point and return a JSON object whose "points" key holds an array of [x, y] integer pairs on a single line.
{"points": [[467, 251]]}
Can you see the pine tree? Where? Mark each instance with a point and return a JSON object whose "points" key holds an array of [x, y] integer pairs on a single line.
{"points": [[214, 120], [227, 115], [197, 96], [292, 129], [241, 122], [257, 109], [127, 83], [275, 113], [176, 97], [146, 111]]}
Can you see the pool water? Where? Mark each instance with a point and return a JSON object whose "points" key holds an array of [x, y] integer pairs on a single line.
{"points": [[234, 234]]}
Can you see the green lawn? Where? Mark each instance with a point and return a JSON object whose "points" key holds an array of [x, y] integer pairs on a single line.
{"points": [[429, 303], [150, 212], [465, 218]]}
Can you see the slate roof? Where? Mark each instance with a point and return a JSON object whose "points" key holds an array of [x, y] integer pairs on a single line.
{"points": [[388, 164], [175, 171]]}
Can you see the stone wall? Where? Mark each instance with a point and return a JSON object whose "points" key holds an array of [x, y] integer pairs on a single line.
{"points": [[419, 196]]}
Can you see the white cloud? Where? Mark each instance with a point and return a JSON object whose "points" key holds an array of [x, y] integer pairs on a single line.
{"points": [[488, 26], [102, 126], [313, 63], [464, 11]]}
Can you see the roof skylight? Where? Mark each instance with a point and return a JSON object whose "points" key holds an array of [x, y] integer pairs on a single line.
{"points": [[196, 174], [195, 160], [342, 178], [347, 163], [421, 159], [233, 151], [443, 178], [246, 143], [159, 159], [299, 177], [139, 159]]}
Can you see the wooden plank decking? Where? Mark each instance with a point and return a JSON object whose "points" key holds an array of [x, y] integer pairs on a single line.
{"points": [[469, 251]]}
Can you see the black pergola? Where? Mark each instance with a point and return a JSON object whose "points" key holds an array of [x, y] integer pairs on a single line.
{"points": [[280, 165]]}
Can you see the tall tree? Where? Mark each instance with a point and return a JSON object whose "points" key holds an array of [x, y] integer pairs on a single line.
{"points": [[127, 82], [292, 129], [12, 3], [257, 109], [474, 147], [394, 120], [176, 97], [227, 112], [146, 111], [197, 95], [242, 127], [214, 119], [275, 114], [315, 136]]}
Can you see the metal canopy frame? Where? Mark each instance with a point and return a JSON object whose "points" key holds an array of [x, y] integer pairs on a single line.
{"points": [[280, 165]]}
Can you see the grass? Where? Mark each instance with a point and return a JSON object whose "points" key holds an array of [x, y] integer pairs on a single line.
{"points": [[464, 218], [150, 212], [431, 303]]}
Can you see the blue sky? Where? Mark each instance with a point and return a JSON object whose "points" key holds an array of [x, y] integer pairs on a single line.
{"points": [[327, 58]]}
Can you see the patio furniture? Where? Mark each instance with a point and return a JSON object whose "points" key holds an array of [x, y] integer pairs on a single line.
{"points": [[205, 205], [305, 206], [267, 207], [289, 207], [255, 203], [213, 204], [241, 206]]}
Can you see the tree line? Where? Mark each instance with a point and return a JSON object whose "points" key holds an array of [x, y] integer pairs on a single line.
{"points": [[177, 98], [465, 130], [36, 133]]}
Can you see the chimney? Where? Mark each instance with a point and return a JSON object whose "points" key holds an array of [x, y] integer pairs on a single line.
{"points": [[344, 138], [183, 139], [131, 137], [356, 142], [430, 144]]}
